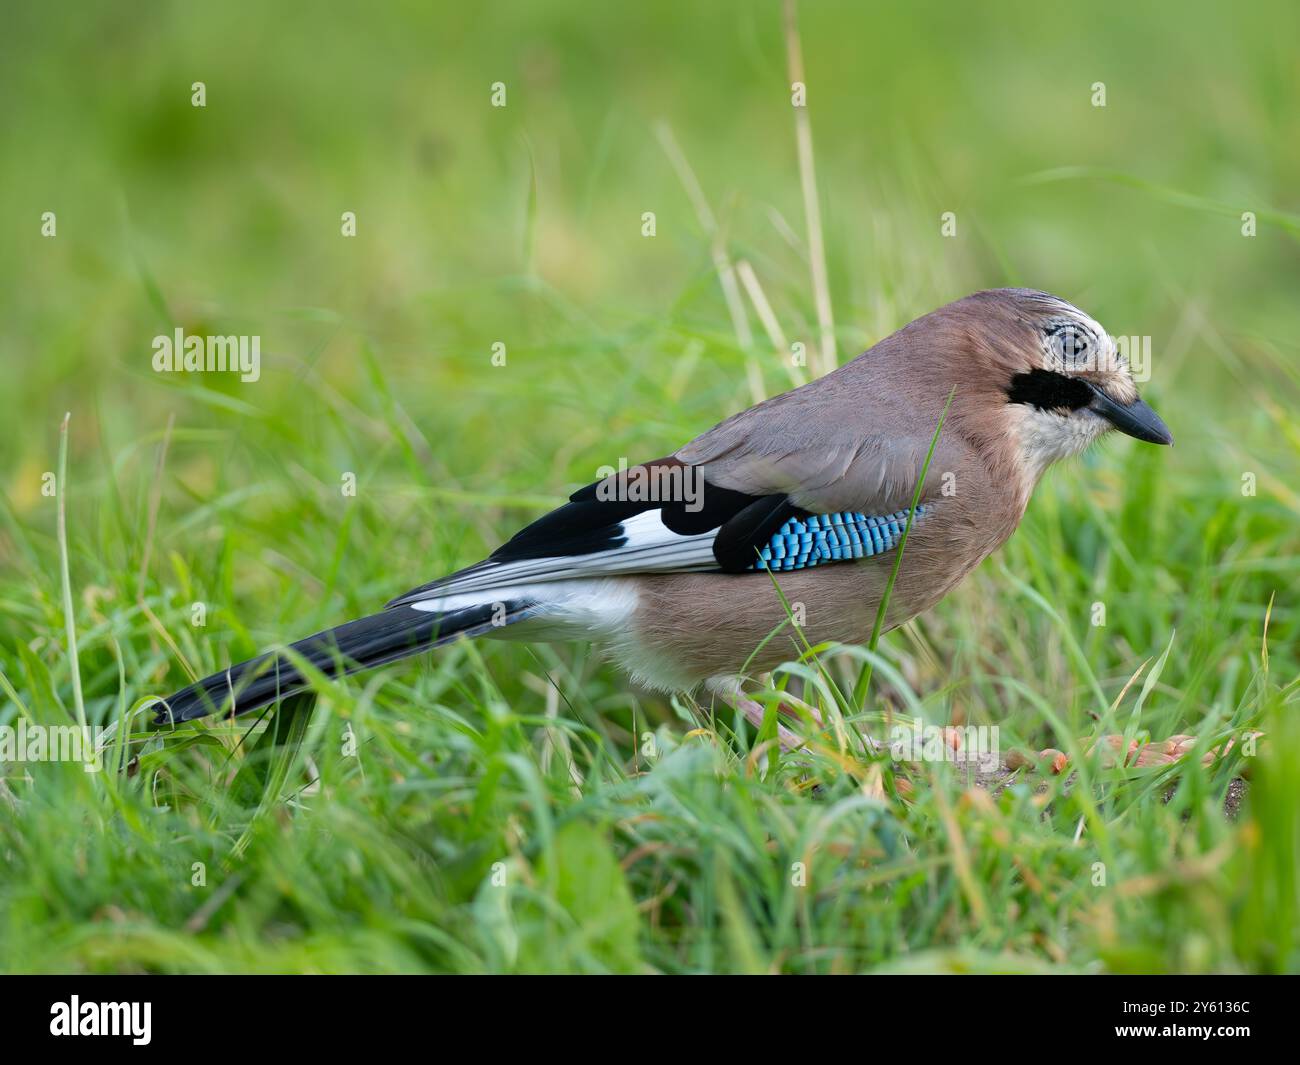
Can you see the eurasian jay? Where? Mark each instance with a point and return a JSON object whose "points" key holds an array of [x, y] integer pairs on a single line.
{"points": [[675, 565]]}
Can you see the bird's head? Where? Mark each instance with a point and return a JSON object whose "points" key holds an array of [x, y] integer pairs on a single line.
{"points": [[1055, 377]]}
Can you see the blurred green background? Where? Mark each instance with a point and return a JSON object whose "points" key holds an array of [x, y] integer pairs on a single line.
{"points": [[523, 225]]}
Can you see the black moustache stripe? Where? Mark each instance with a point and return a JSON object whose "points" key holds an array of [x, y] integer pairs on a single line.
{"points": [[1048, 390]]}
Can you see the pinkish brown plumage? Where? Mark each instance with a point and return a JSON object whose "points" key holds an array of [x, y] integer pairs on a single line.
{"points": [[808, 487]]}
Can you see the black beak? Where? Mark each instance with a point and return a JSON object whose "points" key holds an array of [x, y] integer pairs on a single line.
{"points": [[1136, 418]]}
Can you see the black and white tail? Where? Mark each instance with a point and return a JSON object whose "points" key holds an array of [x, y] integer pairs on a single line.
{"points": [[370, 641], [569, 570]]}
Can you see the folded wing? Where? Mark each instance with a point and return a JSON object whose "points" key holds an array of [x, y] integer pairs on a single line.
{"points": [[732, 501]]}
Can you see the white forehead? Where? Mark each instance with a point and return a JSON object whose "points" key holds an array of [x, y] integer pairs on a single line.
{"points": [[1069, 311], [1105, 355]]}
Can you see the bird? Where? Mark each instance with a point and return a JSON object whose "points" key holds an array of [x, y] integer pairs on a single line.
{"points": [[688, 569]]}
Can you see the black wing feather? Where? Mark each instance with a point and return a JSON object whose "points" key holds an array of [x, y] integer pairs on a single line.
{"points": [[592, 523], [738, 541]]}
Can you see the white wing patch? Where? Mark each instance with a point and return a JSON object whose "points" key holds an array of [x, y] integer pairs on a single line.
{"points": [[651, 547]]}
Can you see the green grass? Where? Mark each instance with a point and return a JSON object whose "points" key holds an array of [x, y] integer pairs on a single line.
{"points": [[515, 808]]}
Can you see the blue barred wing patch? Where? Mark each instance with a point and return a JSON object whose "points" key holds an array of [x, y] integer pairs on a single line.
{"points": [[817, 538]]}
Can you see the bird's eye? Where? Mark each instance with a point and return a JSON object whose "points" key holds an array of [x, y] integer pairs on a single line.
{"points": [[1070, 344]]}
